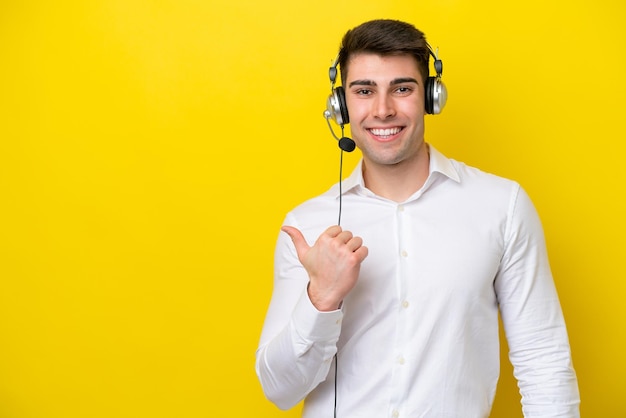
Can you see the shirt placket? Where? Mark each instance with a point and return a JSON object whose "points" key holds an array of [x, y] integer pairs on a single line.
{"points": [[400, 361]]}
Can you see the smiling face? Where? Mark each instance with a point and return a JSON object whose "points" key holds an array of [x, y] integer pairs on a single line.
{"points": [[385, 100]]}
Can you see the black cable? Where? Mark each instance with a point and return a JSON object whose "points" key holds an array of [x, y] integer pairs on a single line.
{"points": [[339, 223], [340, 188]]}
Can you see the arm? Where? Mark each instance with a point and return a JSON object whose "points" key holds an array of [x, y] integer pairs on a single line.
{"points": [[298, 358], [533, 320], [302, 326]]}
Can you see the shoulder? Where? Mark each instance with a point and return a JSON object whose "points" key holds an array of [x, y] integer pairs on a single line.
{"points": [[474, 176], [496, 193], [478, 187], [468, 178]]}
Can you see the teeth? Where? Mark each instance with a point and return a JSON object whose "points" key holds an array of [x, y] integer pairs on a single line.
{"points": [[385, 132]]}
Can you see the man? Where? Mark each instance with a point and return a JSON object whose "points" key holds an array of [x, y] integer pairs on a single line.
{"points": [[395, 312]]}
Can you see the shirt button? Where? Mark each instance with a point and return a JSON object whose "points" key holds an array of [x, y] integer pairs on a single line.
{"points": [[404, 254], [395, 414], [400, 360], [400, 208], [405, 304]]}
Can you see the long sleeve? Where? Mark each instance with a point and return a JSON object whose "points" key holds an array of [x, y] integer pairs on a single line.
{"points": [[533, 320], [298, 342]]}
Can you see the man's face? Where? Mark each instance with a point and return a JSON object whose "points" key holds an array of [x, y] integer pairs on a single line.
{"points": [[385, 99]]}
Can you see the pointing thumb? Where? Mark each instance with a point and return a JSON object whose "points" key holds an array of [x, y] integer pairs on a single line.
{"points": [[298, 240]]}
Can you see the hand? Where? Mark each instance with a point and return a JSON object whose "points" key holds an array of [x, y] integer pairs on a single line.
{"points": [[333, 264]]}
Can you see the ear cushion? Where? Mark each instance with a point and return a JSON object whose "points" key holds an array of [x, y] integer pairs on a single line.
{"points": [[429, 91], [343, 107]]}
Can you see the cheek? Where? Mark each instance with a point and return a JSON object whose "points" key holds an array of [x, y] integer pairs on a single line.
{"points": [[356, 110], [414, 109]]}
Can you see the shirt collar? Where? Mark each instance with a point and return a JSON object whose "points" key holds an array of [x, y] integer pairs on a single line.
{"points": [[439, 163]]}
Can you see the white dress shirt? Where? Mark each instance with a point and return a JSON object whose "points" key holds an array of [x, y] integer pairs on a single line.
{"points": [[418, 334]]}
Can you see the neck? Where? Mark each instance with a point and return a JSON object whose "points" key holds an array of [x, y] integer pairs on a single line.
{"points": [[397, 182]]}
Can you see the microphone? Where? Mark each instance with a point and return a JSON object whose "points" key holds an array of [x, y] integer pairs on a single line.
{"points": [[345, 143]]}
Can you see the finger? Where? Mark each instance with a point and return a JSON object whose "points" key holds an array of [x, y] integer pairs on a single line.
{"points": [[361, 252], [354, 243], [344, 237], [297, 238], [333, 231]]}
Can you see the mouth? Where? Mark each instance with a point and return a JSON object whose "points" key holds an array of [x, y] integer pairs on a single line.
{"points": [[384, 134]]}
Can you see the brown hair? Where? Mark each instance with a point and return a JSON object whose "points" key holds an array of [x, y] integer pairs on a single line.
{"points": [[384, 37]]}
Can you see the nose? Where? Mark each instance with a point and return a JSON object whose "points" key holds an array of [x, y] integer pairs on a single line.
{"points": [[384, 107]]}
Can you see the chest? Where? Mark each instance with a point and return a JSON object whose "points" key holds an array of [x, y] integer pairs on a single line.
{"points": [[423, 252]]}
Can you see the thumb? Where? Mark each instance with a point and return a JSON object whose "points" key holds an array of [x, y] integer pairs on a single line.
{"points": [[298, 240]]}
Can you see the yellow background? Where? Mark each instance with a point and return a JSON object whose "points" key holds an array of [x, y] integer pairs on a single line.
{"points": [[150, 149]]}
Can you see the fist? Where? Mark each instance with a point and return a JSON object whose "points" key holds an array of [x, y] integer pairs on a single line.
{"points": [[332, 263]]}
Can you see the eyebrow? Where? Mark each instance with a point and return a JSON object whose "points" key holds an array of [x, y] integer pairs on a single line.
{"points": [[393, 82]]}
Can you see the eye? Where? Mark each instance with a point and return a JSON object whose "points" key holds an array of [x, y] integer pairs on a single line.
{"points": [[404, 90], [363, 92]]}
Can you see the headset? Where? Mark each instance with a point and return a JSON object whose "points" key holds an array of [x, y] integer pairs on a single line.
{"points": [[435, 97]]}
